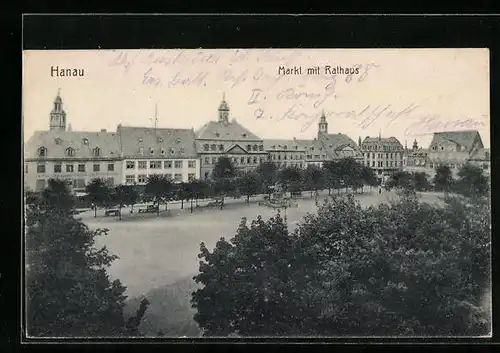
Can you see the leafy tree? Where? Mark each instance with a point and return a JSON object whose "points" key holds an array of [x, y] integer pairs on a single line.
{"points": [[250, 279], [200, 190], [420, 181], [268, 174], [159, 188], [405, 268], [350, 173], [290, 178], [248, 184], [313, 178], [99, 193], [472, 181], [68, 291], [183, 192], [223, 177], [124, 195], [332, 172], [369, 177], [400, 180], [443, 179]]}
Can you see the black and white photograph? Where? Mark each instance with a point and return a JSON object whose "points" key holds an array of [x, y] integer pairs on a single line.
{"points": [[239, 193]]}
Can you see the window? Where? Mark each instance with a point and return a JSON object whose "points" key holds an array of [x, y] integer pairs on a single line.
{"points": [[442, 148], [42, 152], [178, 140], [69, 168], [168, 176], [214, 160], [70, 152], [217, 134], [26, 168], [97, 168], [373, 163], [207, 160], [485, 166], [255, 147], [431, 165], [155, 165], [129, 179], [212, 147], [178, 164], [143, 178], [160, 140], [178, 177], [110, 181], [130, 165], [244, 134], [111, 167], [191, 176], [162, 151], [81, 168], [141, 150], [96, 152], [242, 160], [261, 147], [167, 164], [249, 147], [40, 168], [191, 164], [151, 150], [249, 160], [79, 183], [221, 147], [255, 159], [486, 155], [57, 141], [85, 141], [284, 157], [142, 164], [373, 155], [57, 168], [40, 184], [182, 150], [172, 151], [206, 147], [140, 140]]}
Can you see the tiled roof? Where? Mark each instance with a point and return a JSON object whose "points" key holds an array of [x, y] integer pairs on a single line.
{"points": [[330, 144], [481, 154], [82, 142], [175, 143], [214, 130], [337, 140], [463, 138], [382, 140], [279, 145]]}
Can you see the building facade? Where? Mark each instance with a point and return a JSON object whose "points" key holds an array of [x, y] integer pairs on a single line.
{"points": [[224, 138], [384, 155], [154, 151], [285, 153]]}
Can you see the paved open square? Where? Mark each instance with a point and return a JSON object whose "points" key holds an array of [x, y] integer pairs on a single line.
{"points": [[159, 251]]}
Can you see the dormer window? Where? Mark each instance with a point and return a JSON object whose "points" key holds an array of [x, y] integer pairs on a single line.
{"points": [[178, 140], [141, 150], [221, 147], [42, 152], [151, 150], [96, 152], [57, 141], [182, 150], [140, 139], [70, 152], [172, 151], [85, 141], [162, 151], [285, 147], [217, 134], [244, 134], [160, 140]]}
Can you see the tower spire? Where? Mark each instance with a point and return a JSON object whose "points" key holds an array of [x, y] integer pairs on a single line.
{"points": [[57, 115], [223, 110]]}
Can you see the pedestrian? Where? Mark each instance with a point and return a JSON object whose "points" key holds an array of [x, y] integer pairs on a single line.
{"points": [[379, 191]]}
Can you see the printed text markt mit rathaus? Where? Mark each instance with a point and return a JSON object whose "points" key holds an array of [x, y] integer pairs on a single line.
{"points": [[317, 70]]}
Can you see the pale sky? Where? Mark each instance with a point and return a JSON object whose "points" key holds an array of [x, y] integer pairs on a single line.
{"points": [[405, 93]]}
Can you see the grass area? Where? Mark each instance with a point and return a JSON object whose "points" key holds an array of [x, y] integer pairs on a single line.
{"points": [[158, 256]]}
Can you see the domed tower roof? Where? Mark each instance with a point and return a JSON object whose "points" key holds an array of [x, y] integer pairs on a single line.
{"points": [[223, 104]]}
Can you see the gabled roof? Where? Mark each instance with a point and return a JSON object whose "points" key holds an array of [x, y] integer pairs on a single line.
{"points": [[82, 142], [463, 138], [283, 145], [176, 143], [337, 140], [481, 154], [381, 140], [214, 130]]}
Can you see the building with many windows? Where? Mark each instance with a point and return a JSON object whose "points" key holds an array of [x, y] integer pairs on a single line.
{"points": [[285, 153], [382, 154], [167, 152], [224, 138], [77, 157]]}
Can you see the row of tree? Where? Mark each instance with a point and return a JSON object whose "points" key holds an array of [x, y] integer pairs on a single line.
{"points": [[471, 181], [406, 268]]}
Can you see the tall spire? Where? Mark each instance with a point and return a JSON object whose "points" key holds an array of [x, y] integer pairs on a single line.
{"points": [[57, 115], [223, 110], [323, 124]]}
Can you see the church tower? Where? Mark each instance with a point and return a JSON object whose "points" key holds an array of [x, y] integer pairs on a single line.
{"points": [[58, 115], [415, 145], [223, 111], [323, 125]]}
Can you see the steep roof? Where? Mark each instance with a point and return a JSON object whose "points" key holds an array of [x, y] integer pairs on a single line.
{"points": [[330, 144], [381, 140], [481, 154], [176, 143], [337, 140], [283, 145], [83, 143], [463, 138], [214, 130]]}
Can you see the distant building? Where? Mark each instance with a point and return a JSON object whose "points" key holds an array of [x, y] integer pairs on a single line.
{"points": [[167, 152], [285, 153], [382, 154], [76, 157], [224, 138], [417, 160]]}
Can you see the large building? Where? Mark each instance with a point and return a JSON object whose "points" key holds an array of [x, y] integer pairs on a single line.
{"points": [[224, 138], [285, 153], [382, 154], [451, 148], [167, 152]]}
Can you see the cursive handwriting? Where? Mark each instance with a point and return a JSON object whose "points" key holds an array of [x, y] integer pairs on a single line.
{"points": [[430, 123]]}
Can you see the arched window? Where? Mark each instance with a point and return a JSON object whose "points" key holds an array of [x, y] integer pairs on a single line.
{"points": [[85, 141], [212, 147], [70, 152], [221, 147], [42, 152], [206, 147], [97, 152]]}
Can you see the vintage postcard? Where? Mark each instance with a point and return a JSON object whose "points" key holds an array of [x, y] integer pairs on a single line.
{"points": [[257, 192]]}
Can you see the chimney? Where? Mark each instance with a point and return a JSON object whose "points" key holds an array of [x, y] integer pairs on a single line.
{"points": [[103, 130]]}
